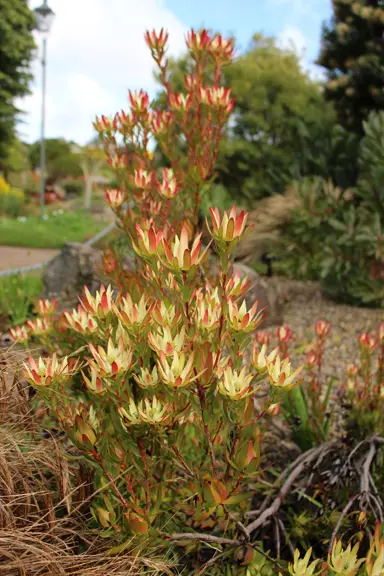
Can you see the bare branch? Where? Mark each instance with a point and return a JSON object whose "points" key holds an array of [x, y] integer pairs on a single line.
{"points": [[340, 521], [201, 538], [304, 460], [287, 538], [364, 484]]}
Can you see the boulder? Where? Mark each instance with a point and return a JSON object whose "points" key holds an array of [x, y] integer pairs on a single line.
{"points": [[265, 293], [260, 289], [78, 265], [73, 268]]}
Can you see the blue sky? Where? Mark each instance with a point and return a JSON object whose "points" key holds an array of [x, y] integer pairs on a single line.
{"points": [[245, 17], [96, 50]]}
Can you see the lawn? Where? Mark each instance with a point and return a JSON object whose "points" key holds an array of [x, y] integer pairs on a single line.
{"points": [[52, 232], [17, 296]]}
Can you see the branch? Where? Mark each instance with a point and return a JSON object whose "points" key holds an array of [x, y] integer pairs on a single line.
{"points": [[365, 495], [340, 521], [201, 538], [282, 477], [364, 484], [302, 462], [287, 538]]}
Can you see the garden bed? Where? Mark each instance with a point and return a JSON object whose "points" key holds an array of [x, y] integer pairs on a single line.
{"points": [[305, 303]]}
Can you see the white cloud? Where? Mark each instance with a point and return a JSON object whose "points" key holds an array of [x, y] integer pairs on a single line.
{"points": [[293, 38], [96, 51], [297, 7]]}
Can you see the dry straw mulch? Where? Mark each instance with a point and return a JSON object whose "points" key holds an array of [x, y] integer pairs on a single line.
{"points": [[44, 498]]}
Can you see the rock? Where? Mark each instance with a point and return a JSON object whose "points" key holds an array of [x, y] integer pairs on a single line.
{"points": [[78, 265], [266, 293], [73, 268]]}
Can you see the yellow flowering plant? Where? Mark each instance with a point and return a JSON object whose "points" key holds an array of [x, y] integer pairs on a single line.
{"points": [[158, 391]]}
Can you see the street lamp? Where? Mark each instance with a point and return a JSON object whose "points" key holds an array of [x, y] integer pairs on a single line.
{"points": [[44, 18]]}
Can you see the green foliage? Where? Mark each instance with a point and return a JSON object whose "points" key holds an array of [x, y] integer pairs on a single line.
{"points": [[371, 163], [16, 51], [12, 203], [17, 159], [61, 161], [281, 124], [307, 430], [341, 157], [11, 200], [53, 232], [218, 196], [352, 53], [337, 236], [281, 127], [307, 415], [73, 188], [351, 254], [17, 295], [303, 235]]}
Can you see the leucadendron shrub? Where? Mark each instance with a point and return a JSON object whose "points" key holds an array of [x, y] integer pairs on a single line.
{"points": [[149, 377], [343, 560]]}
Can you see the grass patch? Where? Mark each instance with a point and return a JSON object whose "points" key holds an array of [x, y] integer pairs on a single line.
{"points": [[53, 232], [18, 295]]}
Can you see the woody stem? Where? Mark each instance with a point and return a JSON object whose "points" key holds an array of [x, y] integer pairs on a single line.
{"points": [[111, 480], [201, 395]]}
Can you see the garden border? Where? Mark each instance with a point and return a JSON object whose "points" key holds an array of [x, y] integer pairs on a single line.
{"points": [[22, 269]]}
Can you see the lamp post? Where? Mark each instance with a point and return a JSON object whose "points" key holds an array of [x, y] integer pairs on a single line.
{"points": [[44, 18]]}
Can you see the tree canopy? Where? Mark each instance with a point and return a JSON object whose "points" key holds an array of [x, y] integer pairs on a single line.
{"points": [[61, 160], [281, 127], [16, 52], [353, 53]]}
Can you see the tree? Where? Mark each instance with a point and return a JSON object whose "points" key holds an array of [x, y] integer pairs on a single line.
{"points": [[60, 159], [371, 164], [91, 159], [353, 53], [281, 128], [17, 159], [16, 52]]}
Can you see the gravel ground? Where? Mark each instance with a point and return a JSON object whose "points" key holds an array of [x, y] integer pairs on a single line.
{"points": [[305, 305]]}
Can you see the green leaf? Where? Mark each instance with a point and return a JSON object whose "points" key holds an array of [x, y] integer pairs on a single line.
{"points": [[237, 498], [331, 382], [312, 500]]}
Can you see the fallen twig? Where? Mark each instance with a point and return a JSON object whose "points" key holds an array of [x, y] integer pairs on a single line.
{"points": [[298, 466], [201, 537], [364, 484], [287, 538], [340, 520]]}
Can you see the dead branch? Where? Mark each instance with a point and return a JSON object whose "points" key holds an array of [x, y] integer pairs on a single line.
{"points": [[364, 484], [341, 519], [201, 537], [287, 538], [297, 468]]}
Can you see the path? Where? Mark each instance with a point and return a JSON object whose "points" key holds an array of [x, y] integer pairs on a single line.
{"points": [[16, 257]]}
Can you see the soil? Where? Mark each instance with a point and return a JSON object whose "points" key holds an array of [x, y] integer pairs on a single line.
{"points": [[16, 257], [305, 304]]}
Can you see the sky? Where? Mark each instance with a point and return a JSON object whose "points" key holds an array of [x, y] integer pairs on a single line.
{"points": [[96, 51]]}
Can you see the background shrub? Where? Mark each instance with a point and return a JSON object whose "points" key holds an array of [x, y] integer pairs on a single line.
{"points": [[73, 188]]}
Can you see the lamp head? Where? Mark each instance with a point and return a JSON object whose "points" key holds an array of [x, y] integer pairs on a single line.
{"points": [[44, 17]]}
